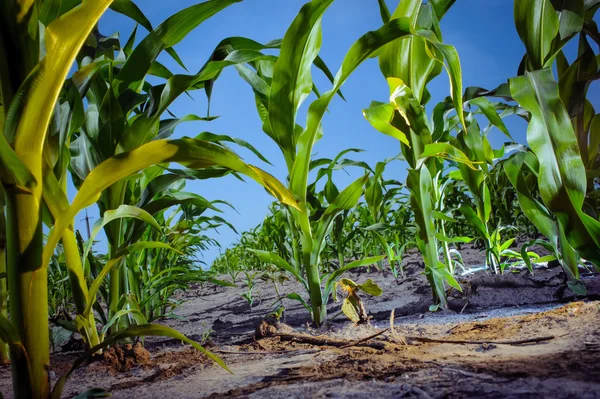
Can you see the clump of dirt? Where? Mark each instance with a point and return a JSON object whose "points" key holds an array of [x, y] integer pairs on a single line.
{"points": [[270, 326], [125, 357], [266, 328]]}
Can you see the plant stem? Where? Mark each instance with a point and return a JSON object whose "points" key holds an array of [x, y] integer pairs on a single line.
{"points": [[79, 288], [314, 285], [28, 289]]}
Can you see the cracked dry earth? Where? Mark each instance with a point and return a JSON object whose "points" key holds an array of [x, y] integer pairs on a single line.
{"points": [[567, 366]]}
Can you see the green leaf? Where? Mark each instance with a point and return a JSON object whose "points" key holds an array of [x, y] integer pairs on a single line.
{"points": [[115, 262], [336, 275], [292, 81], [384, 11], [489, 110], [189, 152], [371, 288], [360, 51], [441, 7], [346, 200], [537, 24], [118, 315], [453, 240], [166, 35], [442, 216], [536, 212], [562, 177], [474, 220], [296, 297], [350, 309], [63, 39], [242, 143], [273, 258], [577, 287], [123, 211], [446, 151], [145, 128], [380, 116], [131, 10], [443, 274], [167, 126], [571, 17]]}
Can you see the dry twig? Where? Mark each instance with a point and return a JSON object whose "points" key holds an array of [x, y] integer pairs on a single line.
{"points": [[360, 341], [397, 337], [467, 342], [338, 343]]}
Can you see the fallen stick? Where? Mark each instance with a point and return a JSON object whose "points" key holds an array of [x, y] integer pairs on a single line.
{"points": [[461, 342], [338, 343], [295, 352], [360, 341]]}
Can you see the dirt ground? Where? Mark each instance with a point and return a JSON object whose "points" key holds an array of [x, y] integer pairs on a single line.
{"points": [[487, 318]]}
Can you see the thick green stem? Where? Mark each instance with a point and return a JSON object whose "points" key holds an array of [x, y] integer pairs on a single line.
{"points": [[310, 259], [314, 285], [28, 290], [446, 248]]}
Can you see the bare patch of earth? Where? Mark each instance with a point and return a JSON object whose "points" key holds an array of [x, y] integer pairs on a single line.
{"points": [[514, 306]]}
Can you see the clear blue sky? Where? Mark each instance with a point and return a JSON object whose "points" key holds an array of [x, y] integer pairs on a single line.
{"points": [[482, 31]]}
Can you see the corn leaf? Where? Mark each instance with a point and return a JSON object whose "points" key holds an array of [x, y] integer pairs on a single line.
{"points": [[380, 116], [346, 200], [166, 35], [115, 262], [292, 81], [537, 24], [64, 37], [536, 212], [123, 211], [189, 152], [273, 258], [359, 52], [562, 177]]}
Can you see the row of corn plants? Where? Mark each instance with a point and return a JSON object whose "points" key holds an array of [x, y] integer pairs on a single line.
{"points": [[459, 189], [99, 127], [106, 128]]}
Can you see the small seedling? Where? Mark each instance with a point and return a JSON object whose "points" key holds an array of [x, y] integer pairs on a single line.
{"points": [[352, 305], [207, 331], [250, 283]]}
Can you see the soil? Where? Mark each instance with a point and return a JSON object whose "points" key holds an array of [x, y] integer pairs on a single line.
{"points": [[491, 311]]}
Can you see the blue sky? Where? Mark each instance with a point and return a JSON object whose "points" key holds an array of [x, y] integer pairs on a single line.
{"points": [[482, 31]]}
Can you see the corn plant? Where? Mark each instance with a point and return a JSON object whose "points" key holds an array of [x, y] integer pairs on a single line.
{"points": [[249, 283], [280, 89], [523, 170], [404, 118], [26, 145], [563, 126], [157, 273], [474, 144], [382, 202]]}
